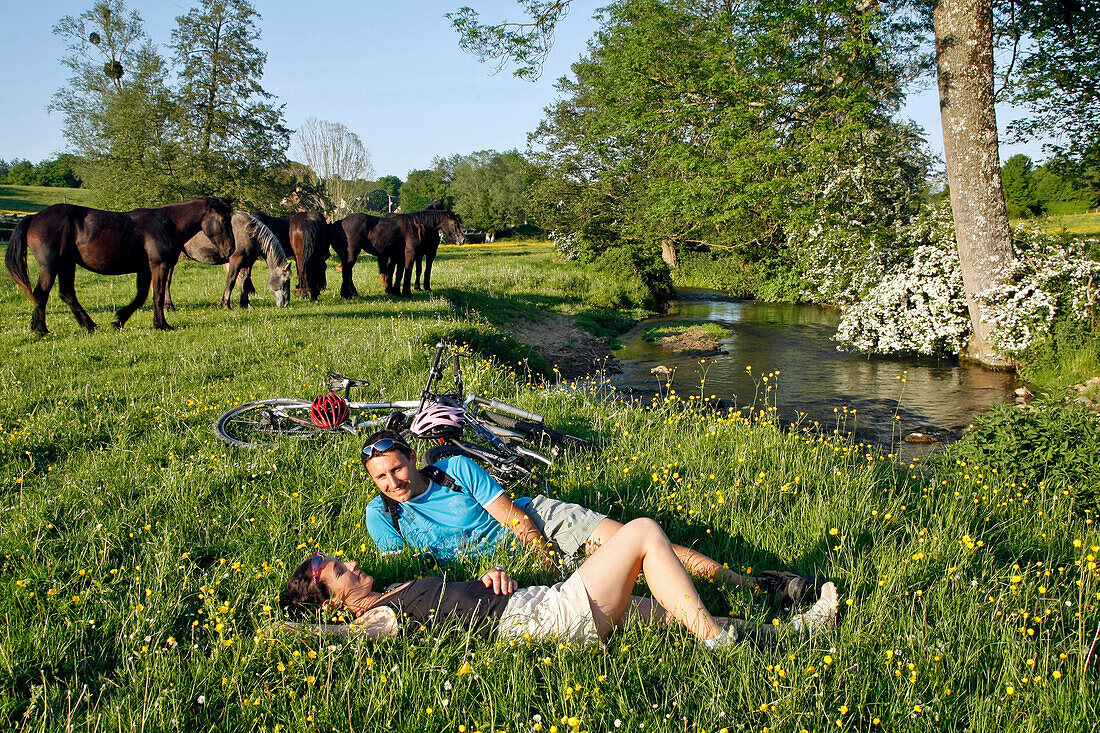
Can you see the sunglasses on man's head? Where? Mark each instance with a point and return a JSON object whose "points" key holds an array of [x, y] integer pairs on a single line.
{"points": [[379, 447]]}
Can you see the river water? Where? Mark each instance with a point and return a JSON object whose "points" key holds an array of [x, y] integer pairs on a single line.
{"points": [[938, 396]]}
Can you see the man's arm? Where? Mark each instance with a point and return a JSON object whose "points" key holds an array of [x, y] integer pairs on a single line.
{"points": [[505, 511]]}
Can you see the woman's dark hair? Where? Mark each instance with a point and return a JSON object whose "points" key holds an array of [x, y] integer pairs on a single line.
{"points": [[302, 594]]}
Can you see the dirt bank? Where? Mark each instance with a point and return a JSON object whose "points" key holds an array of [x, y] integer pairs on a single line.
{"points": [[574, 351]]}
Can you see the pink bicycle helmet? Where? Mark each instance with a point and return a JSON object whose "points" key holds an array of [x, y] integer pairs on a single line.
{"points": [[438, 421], [329, 411]]}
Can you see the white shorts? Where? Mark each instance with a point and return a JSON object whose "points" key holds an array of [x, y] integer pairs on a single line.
{"points": [[562, 611]]}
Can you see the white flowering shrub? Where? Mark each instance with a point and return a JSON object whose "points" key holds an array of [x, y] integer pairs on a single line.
{"points": [[1047, 272], [920, 306]]}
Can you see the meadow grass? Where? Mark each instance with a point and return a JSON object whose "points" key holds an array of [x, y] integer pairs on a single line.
{"points": [[29, 199], [141, 559]]}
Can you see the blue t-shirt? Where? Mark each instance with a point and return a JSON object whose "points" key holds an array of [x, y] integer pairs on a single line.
{"points": [[441, 521]]}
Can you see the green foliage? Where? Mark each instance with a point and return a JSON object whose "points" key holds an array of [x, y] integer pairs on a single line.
{"points": [[1019, 190], [489, 189], [492, 343], [58, 172], [632, 277], [1049, 447], [141, 556], [22, 174], [232, 136], [763, 131], [421, 187]]}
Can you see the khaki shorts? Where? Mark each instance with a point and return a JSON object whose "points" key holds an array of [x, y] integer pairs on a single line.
{"points": [[562, 611], [566, 525]]}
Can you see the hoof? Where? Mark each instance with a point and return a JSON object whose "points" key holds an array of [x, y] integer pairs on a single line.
{"points": [[164, 327]]}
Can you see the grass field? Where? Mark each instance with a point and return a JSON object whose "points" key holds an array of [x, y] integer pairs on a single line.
{"points": [[141, 559], [29, 199]]}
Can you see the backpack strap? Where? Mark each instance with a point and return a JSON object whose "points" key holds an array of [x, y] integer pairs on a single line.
{"points": [[437, 474]]}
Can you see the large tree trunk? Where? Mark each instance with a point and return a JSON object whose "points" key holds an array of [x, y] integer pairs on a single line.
{"points": [[964, 60]]}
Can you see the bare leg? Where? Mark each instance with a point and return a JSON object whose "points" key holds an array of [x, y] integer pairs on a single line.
{"points": [[696, 563], [609, 576]]}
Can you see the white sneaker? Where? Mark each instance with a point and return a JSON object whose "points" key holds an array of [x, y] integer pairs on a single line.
{"points": [[823, 613]]}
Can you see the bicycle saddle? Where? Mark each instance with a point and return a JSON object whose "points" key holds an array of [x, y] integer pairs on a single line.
{"points": [[338, 382]]}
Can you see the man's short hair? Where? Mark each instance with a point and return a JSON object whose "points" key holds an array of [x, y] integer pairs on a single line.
{"points": [[399, 444]]}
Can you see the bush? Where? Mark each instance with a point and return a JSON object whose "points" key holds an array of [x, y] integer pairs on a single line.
{"points": [[636, 278], [1051, 443]]}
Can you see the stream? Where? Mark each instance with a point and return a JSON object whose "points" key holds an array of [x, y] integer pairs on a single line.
{"points": [[938, 397]]}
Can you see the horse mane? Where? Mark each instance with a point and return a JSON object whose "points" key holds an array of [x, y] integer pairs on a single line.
{"points": [[269, 243]]}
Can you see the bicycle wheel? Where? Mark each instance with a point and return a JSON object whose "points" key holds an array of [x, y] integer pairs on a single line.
{"points": [[267, 423], [505, 475], [537, 433]]}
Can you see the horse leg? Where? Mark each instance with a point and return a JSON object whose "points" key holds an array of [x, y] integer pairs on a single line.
{"points": [[232, 268], [244, 280], [159, 275], [429, 258], [347, 266], [406, 283], [416, 282], [41, 295], [66, 288], [168, 304], [123, 315]]}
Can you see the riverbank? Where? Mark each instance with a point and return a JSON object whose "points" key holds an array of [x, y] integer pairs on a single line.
{"points": [[141, 560]]}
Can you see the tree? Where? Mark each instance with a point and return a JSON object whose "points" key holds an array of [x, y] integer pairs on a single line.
{"points": [[1058, 45], [748, 130], [117, 107], [489, 190], [22, 174], [57, 172], [338, 157], [964, 61], [422, 186], [1017, 181], [384, 194], [233, 137]]}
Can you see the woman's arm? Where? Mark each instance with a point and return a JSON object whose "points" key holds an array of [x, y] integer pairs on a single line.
{"points": [[498, 579]]}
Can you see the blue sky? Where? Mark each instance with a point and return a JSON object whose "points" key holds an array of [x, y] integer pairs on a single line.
{"points": [[391, 72]]}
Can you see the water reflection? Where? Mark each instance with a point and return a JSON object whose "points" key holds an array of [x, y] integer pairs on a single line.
{"points": [[815, 377]]}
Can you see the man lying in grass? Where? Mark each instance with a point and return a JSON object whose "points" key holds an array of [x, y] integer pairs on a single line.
{"points": [[586, 607], [473, 516]]}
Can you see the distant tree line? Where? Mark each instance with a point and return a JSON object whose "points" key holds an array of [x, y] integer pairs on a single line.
{"points": [[57, 172], [1055, 187]]}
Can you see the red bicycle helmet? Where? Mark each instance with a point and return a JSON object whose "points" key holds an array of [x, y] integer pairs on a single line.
{"points": [[439, 421], [329, 411]]}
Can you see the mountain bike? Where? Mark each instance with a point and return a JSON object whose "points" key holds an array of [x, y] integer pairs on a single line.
{"points": [[506, 439]]}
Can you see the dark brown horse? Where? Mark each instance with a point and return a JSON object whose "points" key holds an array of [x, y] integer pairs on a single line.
{"points": [[143, 241], [420, 231], [309, 240], [353, 234]]}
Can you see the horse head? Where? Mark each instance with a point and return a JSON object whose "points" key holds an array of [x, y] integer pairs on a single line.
{"points": [[279, 284], [217, 224], [452, 227]]}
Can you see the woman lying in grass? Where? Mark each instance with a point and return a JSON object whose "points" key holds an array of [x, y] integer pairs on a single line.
{"points": [[587, 606]]}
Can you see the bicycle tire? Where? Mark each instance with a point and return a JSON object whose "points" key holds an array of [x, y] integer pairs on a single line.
{"points": [[536, 433], [267, 423], [506, 477]]}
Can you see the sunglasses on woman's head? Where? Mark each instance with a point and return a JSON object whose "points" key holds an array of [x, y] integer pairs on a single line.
{"points": [[379, 447], [316, 563]]}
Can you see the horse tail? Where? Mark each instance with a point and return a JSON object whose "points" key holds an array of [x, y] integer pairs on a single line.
{"points": [[16, 256]]}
